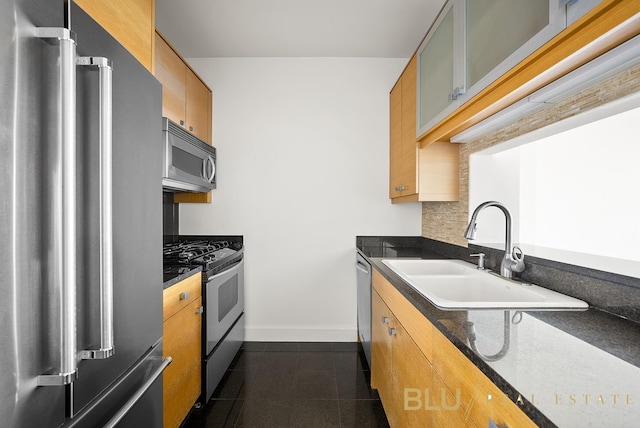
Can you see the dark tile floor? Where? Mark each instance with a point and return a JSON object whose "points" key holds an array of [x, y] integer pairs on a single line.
{"points": [[291, 384]]}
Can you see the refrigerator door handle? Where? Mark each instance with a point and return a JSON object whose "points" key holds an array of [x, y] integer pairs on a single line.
{"points": [[105, 68], [64, 264], [138, 394]]}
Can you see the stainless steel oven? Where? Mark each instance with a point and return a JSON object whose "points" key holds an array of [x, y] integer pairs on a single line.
{"points": [[224, 303], [223, 324]]}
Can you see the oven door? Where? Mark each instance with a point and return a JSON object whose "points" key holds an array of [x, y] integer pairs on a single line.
{"points": [[224, 296]]}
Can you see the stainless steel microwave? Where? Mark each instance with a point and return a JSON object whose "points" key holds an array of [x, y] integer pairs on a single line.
{"points": [[189, 163]]}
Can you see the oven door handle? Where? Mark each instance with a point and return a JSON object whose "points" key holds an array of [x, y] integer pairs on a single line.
{"points": [[232, 269]]}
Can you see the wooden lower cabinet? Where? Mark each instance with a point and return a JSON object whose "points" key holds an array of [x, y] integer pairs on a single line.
{"points": [[182, 342], [422, 378], [400, 371], [480, 397]]}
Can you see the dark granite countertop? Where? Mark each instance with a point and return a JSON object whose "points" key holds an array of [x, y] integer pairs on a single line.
{"points": [[173, 279], [562, 368]]}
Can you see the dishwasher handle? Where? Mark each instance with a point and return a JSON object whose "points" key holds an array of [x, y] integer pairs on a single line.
{"points": [[363, 267]]}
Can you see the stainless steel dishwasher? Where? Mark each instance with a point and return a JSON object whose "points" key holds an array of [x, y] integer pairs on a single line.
{"points": [[363, 269]]}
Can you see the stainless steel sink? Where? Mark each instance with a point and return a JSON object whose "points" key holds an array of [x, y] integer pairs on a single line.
{"points": [[455, 284]]}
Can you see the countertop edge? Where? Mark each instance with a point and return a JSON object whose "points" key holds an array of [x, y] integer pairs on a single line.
{"points": [[181, 277]]}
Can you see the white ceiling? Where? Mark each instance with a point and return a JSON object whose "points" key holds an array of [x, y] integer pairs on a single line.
{"points": [[295, 28]]}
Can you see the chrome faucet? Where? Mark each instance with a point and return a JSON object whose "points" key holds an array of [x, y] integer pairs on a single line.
{"points": [[513, 260]]}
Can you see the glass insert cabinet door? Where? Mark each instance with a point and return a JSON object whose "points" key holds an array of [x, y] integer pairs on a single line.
{"points": [[472, 44], [437, 69]]}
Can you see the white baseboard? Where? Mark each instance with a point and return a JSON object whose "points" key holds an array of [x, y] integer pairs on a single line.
{"points": [[300, 334]]}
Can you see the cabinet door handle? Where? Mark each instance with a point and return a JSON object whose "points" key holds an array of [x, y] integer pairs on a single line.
{"points": [[392, 331], [184, 296], [192, 128], [456, 93], [385, 320], [200, 310], [181, 122]]}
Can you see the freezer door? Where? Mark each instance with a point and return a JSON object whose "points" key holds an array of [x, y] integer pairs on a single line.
{"points": [[28, 117], [137, 211]]}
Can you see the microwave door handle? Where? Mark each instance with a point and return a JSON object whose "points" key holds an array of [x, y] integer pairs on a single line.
{"points": [[209, 165], [105, 69]]}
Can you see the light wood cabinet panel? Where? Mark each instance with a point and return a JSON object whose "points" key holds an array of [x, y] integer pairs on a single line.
{"points": [[453, 412], [402, 141], [182, 342], [171, 71], [395, 140], [381, 370], [408, 170], [198, 107], [186, 99], [428, 174], [399, 369], [413, 384], [131, 22], [418, 327], [483, 399], [180, 295], [181, 379]]}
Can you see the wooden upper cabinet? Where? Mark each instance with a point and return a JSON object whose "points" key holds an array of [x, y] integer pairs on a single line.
{"points": [[402, 139], [131, 22], [198, 107], [171, 71], [428, 174], [395, 140], [186, 99], [594, 27]]}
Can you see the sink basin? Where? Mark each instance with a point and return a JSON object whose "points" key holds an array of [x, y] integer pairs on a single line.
{"points": [[413, 267], [455, 285]]}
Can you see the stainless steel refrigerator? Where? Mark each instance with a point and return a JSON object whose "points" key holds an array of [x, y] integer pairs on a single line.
{"points": [[80, 224]]}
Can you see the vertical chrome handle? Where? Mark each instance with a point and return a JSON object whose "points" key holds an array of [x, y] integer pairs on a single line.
{"points": [[105, 69], [65, 211], [384, 319], [209, 169], [184, 296], [392, 331]]}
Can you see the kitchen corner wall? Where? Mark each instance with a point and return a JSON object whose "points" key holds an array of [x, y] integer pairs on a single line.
{"points": [[446, 221], [303, 167]]}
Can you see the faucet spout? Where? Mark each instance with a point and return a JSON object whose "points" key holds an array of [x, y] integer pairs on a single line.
{"points": [[513, 260]]}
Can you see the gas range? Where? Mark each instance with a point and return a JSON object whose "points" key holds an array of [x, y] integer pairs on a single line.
{"points": [[212, 255]]}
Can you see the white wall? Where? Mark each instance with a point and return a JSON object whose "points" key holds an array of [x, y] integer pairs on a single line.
{"points": [[302, 169]]}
